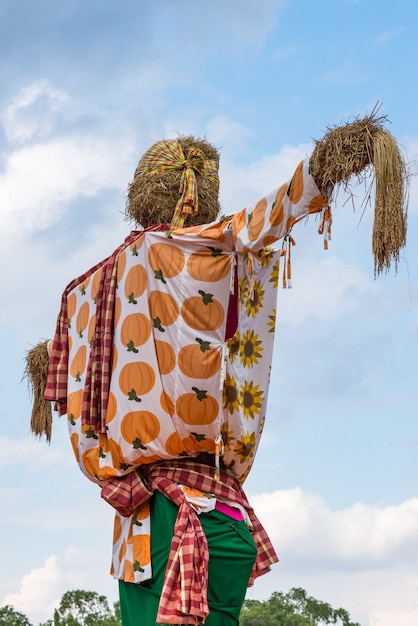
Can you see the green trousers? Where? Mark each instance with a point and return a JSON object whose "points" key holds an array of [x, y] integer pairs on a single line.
{"points": [[232, 553]]}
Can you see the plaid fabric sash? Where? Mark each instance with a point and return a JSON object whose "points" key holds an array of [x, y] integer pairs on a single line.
{"points": [[184, 595], [168, 155]]}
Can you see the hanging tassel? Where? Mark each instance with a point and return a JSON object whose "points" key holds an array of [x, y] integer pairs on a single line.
{"points": [[288, 242], [223, 365], [325, 225], [232, 275], [251, 275], [219, 450]]}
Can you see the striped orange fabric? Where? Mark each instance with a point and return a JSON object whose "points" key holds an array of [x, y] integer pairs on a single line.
{"points": [[168, 155]]}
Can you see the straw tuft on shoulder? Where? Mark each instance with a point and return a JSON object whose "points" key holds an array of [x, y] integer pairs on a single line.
{"points": [[36, 374]]}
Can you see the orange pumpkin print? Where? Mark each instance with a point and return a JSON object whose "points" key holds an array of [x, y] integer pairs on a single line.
{"points": [[146, 460], [139, 428], [91, 461], [136, 379], [316, 204], [166, 260], [129, 576], [202, 312], [165, 356], [199, 360], [256, 219], [83, 286], [268, 240], [135, 283], [167, 403], [111, 408], [88, 432], [141, 545], [277, 211], [74, 404], [95, 285], [122, 551], [117, 529], [120, 266], [214, 231], [135, 331], [108, 445], [136, 245], [197, 442], [208, 265], [117, 311], [142, 512], [91, 329], [295, 190], [78, 363], [174, 445], [163, 309], [206, 444], [290, 222], [74, 445], [82, 318], [197, 408], [114, 358], [71, 305], [239, 221], [191, 230]]}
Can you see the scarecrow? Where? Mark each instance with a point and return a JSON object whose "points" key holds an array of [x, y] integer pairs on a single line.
{"points": [[161, 361]]}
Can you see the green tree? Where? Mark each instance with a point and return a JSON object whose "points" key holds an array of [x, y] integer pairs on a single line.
{"points": [[294, 608], [85, 608], [10, 617]]}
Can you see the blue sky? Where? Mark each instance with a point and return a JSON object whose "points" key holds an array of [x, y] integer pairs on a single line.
{"points": [[85, 88]]}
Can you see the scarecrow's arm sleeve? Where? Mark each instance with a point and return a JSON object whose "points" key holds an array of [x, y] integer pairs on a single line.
{"points": [[273, 217]]}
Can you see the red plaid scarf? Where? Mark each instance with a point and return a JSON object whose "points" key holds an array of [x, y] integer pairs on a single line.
{"points": [[184, 594]]}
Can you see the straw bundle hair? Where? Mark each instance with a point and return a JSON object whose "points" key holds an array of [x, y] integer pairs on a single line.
{"points": [[152, 200], [348, 150], [36, 373]]}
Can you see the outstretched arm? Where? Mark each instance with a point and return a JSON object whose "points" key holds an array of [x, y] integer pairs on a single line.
{"points": [[358, 149]]}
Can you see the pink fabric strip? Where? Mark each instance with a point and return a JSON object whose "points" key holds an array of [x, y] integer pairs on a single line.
{"points": [[229, 510]]}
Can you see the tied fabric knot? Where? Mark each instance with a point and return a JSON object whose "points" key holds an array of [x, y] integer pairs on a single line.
{"points": [[188, 203], [168, 155]]}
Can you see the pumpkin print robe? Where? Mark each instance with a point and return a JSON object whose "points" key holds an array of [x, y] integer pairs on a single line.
{"points": [[178, 379]]}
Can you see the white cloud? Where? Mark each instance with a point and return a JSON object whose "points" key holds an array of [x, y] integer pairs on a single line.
{"points": [[37, 593], [52, 158], [361, 558], [41, 590], [32, 111], [366, 535], [39, 180]]}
